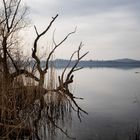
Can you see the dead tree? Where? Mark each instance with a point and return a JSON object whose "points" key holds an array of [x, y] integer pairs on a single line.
{"points": [[12, 22], [64, 80]]}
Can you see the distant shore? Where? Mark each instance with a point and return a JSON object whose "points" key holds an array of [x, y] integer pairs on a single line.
{"points": [[118, 63]]}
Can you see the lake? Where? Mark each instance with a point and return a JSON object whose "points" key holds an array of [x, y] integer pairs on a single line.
{"points": [[112, 99]]}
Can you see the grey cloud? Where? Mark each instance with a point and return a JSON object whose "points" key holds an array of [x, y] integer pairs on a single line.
{"points": [[102, 23], [84, 7]]}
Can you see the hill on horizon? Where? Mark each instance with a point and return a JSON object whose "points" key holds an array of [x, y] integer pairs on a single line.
{"points": [[116, 60]]}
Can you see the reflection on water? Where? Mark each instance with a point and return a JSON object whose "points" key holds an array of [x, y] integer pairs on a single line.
{"points": [[111, 97]]}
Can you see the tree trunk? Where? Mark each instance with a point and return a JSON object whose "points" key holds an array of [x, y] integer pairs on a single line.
{"points": [[5, 65], [41, 81]]}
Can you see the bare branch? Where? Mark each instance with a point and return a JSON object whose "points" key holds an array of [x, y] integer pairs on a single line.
{"points": [[33, 68], [15, 14], [13, 62], [6, 15], [35, 44], [1, 21], [77, 61], [78, 69], [62, 75], [63, 85], [14, 26], [56, 46], [64, 38], [36, 30], [23, 71]]}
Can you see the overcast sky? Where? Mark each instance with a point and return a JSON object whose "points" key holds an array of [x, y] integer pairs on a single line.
{"points": [[109, 29]]}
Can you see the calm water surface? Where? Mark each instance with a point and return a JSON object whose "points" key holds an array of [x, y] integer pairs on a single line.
{"points": [[112, 99]]}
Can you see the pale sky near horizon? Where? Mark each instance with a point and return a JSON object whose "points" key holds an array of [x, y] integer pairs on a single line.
{"points": [[109, 29]]}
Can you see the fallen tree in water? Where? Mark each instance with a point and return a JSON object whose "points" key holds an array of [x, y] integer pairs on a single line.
{"points": [[27, 106]]}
